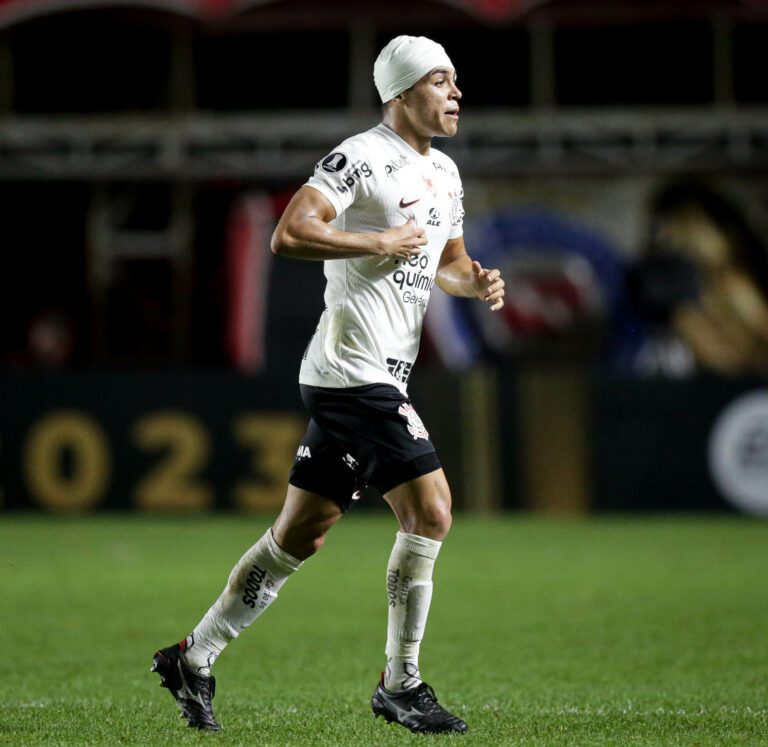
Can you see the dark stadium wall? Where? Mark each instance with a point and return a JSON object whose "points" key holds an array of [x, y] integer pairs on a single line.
{"points": [[116, 397], [539, 439]]}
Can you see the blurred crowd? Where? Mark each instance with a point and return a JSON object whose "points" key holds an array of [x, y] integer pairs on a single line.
{"points": [[692, 298], [701, 287]]}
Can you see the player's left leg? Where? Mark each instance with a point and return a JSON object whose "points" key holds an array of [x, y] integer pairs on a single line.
{"points": [[423, 508], [298, 532]]}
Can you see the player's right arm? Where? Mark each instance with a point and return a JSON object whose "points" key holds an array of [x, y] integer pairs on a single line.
{"points": [[304, 232]]}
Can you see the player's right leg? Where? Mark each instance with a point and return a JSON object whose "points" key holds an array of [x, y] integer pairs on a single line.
{"points": [[185, 667], [423, 508], [389, 448]]}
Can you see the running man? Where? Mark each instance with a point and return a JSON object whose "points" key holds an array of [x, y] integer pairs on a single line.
{"points": [[384, 212]]}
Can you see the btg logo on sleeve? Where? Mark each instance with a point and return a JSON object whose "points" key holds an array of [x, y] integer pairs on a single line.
{"points": [[348, 174]]}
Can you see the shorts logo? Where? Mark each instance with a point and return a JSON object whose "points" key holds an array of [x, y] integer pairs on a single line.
{"points": [[350, 461], [333, 163], [415, 426]]}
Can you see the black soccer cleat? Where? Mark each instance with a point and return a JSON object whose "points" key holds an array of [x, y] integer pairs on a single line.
{"points": [[417, 709], [193, 692]]}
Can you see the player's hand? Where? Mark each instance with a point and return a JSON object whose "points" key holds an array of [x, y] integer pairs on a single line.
{"points": [[488, 285], [403, 241]]}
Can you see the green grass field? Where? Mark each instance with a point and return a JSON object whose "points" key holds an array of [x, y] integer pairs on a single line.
{"points": [[606, 631]]}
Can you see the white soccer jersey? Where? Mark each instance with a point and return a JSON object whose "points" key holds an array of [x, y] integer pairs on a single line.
{"points": [[374, 306]]}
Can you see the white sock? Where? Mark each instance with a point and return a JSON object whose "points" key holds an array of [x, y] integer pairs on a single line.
{"points": [[409, 592], [252, 587]]}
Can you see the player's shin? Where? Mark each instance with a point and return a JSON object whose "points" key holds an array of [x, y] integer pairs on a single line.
{"points": [[409, 592], [251, 588]]}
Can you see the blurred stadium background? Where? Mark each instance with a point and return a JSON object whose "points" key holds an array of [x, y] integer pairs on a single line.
{"points": [[615, 161]]}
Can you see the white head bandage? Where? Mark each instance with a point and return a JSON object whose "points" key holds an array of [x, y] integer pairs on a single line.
{"points": [[404, 61]]}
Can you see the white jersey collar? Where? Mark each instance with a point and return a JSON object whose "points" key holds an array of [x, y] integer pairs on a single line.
{"points": [[390, 133]]}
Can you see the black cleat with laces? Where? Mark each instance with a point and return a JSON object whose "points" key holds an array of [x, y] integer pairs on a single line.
{"points": [[193, 692], [417, 709]]}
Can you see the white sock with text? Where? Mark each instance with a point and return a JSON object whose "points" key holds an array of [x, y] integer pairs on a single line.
{"points": [[409, 592], [251, 588]]}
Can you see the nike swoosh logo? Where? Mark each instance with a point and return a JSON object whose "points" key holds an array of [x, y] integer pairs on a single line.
{"points": [[404, 204]]}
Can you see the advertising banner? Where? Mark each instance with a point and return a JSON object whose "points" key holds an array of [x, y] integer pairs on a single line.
{"points": [[157, 442]]}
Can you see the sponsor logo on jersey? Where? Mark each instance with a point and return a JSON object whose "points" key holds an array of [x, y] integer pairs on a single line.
{"points": [[434, 217], [440, 167], [414, 280], [357, 171], [303, 452], [418, 260], [415, 426], [401, 370], [404, 204], [416, 299], [333, 163], [396, 164]]}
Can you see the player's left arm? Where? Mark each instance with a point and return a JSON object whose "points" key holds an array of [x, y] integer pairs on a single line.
{"points": [[459, 275]]}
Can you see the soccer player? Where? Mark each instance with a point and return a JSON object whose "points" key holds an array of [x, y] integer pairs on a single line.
{"points": [[384, 212]]}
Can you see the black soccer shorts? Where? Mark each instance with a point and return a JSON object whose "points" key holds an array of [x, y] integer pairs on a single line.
{"points": [[358, 437]]}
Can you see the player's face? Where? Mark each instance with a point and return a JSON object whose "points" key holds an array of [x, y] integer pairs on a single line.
{"points": [[433, 104]]}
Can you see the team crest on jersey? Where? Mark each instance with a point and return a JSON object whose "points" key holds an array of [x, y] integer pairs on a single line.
{"points": [[333, 163], [415, 426], [457, 211]]}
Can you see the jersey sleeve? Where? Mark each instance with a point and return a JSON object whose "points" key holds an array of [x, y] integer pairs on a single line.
{"points": [[457, 212], [345, 175], [455, 191]]}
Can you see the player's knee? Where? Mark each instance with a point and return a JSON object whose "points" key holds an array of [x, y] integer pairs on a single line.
{"points": [[432, 520], [438, 520], [303, 541], [313, 544]]}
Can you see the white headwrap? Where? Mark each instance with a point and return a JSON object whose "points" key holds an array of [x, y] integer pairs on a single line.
{"points": [[404, 61]]}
